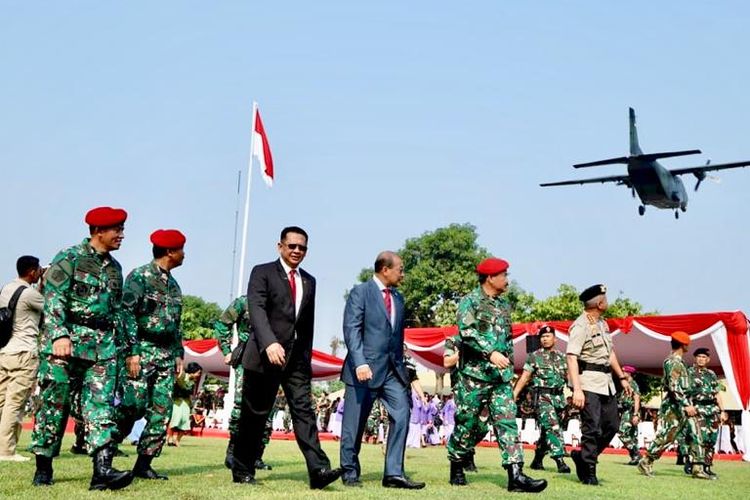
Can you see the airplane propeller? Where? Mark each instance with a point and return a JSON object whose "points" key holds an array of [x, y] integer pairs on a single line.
{"points": [[700, 176]]}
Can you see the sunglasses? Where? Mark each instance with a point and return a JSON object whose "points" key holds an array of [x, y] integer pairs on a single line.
{"points": [[295, 246]]}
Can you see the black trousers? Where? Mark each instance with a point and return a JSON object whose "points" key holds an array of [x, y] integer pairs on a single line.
{"points": [[599, 424], [258, 397]]}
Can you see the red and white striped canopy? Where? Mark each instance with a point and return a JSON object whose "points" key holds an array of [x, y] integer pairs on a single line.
{"points": [[641, 341], [207, 354]]}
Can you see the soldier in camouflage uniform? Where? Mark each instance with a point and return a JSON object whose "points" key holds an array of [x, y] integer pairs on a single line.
{"points": [[630, 411], [704, 393], [450, 360], [236, 315], [547, 370], [486, 371], [152, 310], [676, 412], [82, 308]]}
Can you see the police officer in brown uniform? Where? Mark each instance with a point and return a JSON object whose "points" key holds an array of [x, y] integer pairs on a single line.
{"points": [[591, 363]]}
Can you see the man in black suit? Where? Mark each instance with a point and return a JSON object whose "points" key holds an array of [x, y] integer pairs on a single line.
{"points": [[374, 368], [281, 304]]}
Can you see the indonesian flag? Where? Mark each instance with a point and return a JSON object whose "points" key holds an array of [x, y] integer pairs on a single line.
{"points": [[262, 150]]}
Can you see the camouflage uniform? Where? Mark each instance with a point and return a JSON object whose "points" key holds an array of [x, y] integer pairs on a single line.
{"points": [[672, 416], [629, 432], [549, 375], [82, 293], [236, 314], [453, 346], [152, 309], [484, 326], [704, 389]]}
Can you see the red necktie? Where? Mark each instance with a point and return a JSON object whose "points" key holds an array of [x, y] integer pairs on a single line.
{"points": [[387, 299], [293, 287]]}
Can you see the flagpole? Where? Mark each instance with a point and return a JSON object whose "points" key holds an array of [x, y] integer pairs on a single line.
{"points": [[236, 224], [229, 396]]}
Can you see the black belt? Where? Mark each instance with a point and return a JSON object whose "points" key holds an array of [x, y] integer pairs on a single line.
{"points": [[159, 340], [705, 402], [95, 323], [549, 390], [583, 366]]}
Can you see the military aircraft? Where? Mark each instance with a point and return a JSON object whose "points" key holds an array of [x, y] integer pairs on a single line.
{"points": [[655, 185]]}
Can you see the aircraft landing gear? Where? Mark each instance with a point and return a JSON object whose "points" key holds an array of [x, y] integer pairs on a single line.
{"points": [[683, 208], [676, 214], [641, 210]]}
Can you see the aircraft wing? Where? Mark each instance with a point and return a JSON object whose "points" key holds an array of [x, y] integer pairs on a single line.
{"points": [[709, 168], [619, 179]]}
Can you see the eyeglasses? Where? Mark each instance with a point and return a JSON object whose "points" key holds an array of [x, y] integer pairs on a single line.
{"points": [[295, 246]]}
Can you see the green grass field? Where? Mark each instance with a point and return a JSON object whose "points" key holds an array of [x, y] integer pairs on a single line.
{"points": [[196, 471]]}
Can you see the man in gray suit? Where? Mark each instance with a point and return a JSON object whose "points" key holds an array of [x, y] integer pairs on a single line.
{"points": [[374, 368]]}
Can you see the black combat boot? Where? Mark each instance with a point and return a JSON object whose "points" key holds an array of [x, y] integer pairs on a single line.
{"points": [[143, 470], [687, 466], [518, 481], [457, 474], [707, 470], [635, 457], [562, 467], [680, 459], [43, 473], [469, 465], [229, 457], [537, 464], [79, 447], [105, 477]]}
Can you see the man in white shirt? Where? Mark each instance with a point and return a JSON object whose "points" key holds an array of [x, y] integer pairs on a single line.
{"points": [[19, 358]]}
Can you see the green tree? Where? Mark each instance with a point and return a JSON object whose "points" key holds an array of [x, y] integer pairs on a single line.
{"points": [[198, 317], [439, 271]]}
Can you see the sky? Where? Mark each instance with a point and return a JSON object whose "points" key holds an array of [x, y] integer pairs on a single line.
{"points": [[386, 120]]}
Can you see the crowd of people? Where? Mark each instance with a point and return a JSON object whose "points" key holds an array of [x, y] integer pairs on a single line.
{"points": [[109, 354]]}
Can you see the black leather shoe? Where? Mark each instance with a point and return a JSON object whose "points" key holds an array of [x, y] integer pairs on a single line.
{"points": [[261, 465], [402, 482], [243, 478], [537, 462], [352, 483], [591, 478], [581, 467], [323, 477]]}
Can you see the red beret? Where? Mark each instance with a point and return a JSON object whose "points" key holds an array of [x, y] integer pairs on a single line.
{"points": [[168, 238], [105, 216], [492, 266], [681, 337]]}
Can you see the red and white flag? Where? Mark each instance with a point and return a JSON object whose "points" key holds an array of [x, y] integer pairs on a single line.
{"points": [[262, 150]]}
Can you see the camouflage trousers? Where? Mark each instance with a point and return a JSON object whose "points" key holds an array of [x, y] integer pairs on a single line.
{"points": [[709, 415], [672, 421], [628, 432], [150, 396], [549, 415], [59, 382], [234, 415], [472, 396]]}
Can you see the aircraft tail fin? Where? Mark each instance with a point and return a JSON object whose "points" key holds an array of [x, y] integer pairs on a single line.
{"points": [[635, 148]]}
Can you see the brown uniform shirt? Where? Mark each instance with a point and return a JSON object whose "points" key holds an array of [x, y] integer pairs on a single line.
{"points": [[592, 343]]}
